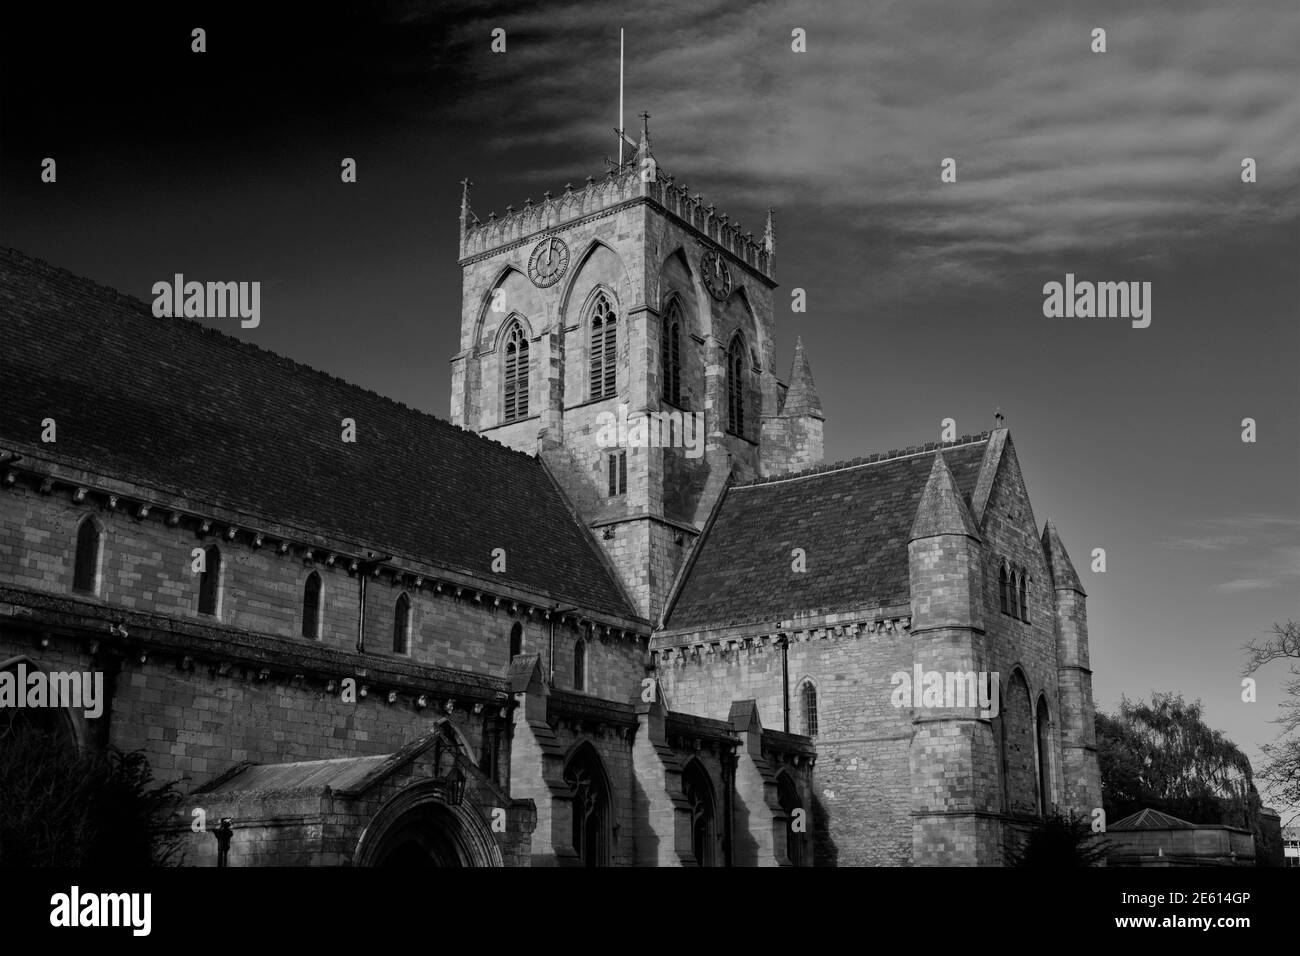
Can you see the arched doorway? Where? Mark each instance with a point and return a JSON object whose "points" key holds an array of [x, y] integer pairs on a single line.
{"points": [[418, 829], [423, 839]]}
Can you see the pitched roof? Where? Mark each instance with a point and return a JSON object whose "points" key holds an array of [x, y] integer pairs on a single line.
{"points": [[1149, 819], [170, 404], [853, 521]]}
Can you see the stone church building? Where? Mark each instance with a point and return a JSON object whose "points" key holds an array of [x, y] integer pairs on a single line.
{"points": [[369, 636]]}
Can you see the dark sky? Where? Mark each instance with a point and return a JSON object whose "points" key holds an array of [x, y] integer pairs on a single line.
{"points": [[925, 299]]}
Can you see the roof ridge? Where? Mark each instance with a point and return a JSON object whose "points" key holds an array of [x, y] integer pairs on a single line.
{"points": [[134, 302], [874, 459]]}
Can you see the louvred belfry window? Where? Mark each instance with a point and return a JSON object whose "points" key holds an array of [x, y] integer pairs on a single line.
{"points": [[736, 386], [670, 356], [604, 349], [515, 375]]}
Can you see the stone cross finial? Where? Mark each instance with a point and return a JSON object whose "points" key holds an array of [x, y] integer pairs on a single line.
{"points": [[998, 419]]}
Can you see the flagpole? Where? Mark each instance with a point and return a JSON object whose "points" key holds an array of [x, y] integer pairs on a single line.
{"points": [[620, 96]]}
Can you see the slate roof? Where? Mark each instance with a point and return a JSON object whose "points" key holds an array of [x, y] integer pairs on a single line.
{"points": [[853, 521], [340, 773], [170, 404]]}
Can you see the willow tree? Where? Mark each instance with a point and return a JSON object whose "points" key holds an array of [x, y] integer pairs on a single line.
{"points": [[1163, 755]]}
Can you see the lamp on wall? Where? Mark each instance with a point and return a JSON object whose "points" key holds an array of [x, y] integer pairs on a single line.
{"points": [[446, 770]]}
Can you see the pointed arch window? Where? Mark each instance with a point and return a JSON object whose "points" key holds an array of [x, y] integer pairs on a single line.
{"points": [[515, 374], [1044, 739], [312, 592], [604, 348], [1012, 592], [736, 386], [808, 705], [1024, 596], [591, 807], [788, 794], [670, 355], [516, 640], [580, 665], [85, 569], [402, 625], [699, 794], [210, 581], [1003, 590]]}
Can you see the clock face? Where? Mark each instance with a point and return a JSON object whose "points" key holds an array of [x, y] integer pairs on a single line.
{"points": [[716, 277], [549, 260]]}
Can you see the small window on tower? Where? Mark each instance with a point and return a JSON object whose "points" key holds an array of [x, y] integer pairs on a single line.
{"points": [[617, 473]]}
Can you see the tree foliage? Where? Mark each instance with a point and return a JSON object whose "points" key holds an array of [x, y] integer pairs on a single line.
{"points": [[1162, 755], [1281, 771], [1063, 842], [61, 807]]}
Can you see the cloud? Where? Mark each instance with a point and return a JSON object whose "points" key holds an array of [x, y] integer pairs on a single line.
{"points": [[1059, 151], [1217, 534], [1260, 549]]}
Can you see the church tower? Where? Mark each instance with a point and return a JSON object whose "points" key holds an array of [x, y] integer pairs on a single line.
{"points": [[623, 331]]}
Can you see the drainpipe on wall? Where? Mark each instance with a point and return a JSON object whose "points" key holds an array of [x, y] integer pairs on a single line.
{"points": [[365, 566], [361, 613], [728, 805], [550, 664]]}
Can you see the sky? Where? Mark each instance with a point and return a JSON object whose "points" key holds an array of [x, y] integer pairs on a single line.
{"points": [[925, 298]]}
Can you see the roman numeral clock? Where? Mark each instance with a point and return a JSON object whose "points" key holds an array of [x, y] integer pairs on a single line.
{"points": [[717, 279], [548, 262]]}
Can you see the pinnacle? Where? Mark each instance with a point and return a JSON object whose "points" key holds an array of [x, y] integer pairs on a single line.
{"points": [[802, 397], [1058, 560], [942, 510]]}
